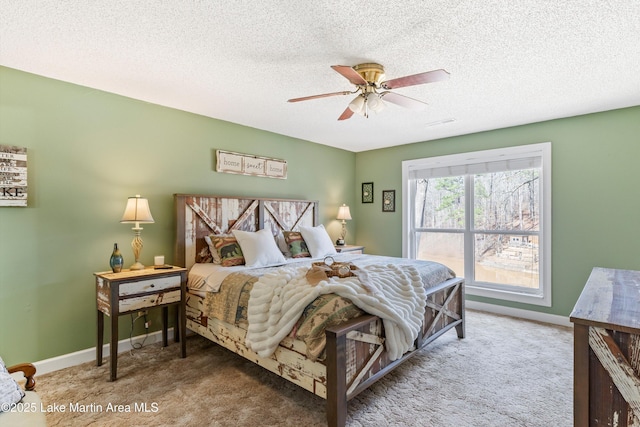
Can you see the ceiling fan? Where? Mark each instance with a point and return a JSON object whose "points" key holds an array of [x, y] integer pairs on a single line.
{"points": [[372, 88]]}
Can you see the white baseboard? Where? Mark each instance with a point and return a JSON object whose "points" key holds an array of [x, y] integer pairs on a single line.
{"points": [[518, 312], [89, 354]]}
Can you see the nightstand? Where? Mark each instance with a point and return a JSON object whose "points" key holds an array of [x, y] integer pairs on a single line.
{"points": [[136, 290], [353, 249]]}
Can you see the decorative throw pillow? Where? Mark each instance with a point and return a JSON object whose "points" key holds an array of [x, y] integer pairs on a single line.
{"points": [[212, 248], [318, 241], [259, 248], [297, 246], [228, 250], [10, 391], [282, 245]]}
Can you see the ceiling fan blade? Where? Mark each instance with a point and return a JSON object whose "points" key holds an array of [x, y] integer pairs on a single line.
{"points": [[416, 79], [350, 74], [403, 101], [324, 95], [346, 114]]}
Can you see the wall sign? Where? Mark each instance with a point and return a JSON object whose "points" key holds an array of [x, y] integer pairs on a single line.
{"points": [[247, 164], [13, 176]]}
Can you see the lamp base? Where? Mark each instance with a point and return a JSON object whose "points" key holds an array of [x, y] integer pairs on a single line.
{"points": [[340, 242], [137, 266]]}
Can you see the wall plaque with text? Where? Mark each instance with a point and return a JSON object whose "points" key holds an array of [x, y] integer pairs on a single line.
{"points": [[13, 176], [246, 164]]}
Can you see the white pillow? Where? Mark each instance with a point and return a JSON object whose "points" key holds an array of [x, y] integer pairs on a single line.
{"points": [[259, 248], [318, 241]]}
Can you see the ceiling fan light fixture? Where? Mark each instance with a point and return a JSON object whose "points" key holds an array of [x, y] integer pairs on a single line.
{"points": [[357, 105], [374, 102]]}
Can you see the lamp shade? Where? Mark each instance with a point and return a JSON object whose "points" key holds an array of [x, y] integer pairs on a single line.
{"points": [[357, 105], [344, 213], [137, 210], [374, 102]]}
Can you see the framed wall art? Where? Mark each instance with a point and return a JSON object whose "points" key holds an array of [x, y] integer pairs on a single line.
{"points": [[388, 200], [367, 192]]}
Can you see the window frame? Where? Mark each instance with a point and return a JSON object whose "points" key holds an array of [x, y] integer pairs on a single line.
{"points": [[541, 150]]}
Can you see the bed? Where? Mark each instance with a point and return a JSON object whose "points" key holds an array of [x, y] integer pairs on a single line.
{"points": [[353, 353]]}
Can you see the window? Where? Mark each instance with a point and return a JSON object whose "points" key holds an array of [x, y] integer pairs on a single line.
{"points": [[487, 215]]}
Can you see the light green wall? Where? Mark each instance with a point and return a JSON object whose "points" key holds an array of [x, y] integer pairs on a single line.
{"points": [[596, 200], [87, 152]]}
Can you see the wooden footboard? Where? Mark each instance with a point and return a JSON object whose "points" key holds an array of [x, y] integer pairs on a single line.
{"points": [[355, 350]]}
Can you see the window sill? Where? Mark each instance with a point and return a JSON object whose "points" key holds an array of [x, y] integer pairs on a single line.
{"points": [[506, 295]]}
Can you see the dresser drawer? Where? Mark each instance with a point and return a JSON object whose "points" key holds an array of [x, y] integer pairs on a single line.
{"points": [[150, 285], [148, 301]]}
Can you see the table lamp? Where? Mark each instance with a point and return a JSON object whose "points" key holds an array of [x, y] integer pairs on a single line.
{"points": [[137, 212], [343, 214]]}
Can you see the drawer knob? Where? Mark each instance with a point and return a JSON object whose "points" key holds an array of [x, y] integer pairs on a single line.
{"points": [[152, 285]]}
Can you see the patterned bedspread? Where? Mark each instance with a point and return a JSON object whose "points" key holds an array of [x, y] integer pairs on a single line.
{"points": [[230, 304]]}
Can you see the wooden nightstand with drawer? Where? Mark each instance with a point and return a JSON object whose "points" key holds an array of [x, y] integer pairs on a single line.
{"points": [[136, 290]]}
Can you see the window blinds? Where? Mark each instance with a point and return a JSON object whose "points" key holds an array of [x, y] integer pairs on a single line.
{"points": [[440, 169]]}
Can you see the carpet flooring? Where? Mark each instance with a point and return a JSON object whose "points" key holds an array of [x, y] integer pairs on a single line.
{"points": [[506, 372]]}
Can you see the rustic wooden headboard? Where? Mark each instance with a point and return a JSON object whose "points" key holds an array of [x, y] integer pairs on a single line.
{"points": [[202, 215]]}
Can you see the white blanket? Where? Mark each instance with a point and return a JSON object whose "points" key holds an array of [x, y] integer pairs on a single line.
{"points": [[394, 294]]}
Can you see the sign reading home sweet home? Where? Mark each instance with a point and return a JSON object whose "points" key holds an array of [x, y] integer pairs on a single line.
{"points": [[13, 176], [246, 164]]}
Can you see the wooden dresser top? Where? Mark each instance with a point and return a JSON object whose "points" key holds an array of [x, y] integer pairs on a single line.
{"points": [[610, 299]]}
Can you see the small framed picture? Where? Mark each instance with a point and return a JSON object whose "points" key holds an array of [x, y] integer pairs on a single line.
{"points": [[388, 200], [367, 192]]}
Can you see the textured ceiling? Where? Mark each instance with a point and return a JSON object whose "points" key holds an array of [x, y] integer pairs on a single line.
{"points": [[511, 62]]}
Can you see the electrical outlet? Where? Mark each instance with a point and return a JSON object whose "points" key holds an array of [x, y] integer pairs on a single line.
{"points": [[147, 324]]}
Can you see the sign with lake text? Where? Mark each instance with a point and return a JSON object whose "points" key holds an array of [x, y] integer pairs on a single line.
{"points": [[13, 176]]}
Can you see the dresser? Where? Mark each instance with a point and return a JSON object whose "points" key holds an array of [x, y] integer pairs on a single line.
{"points": [[607, 350]]}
